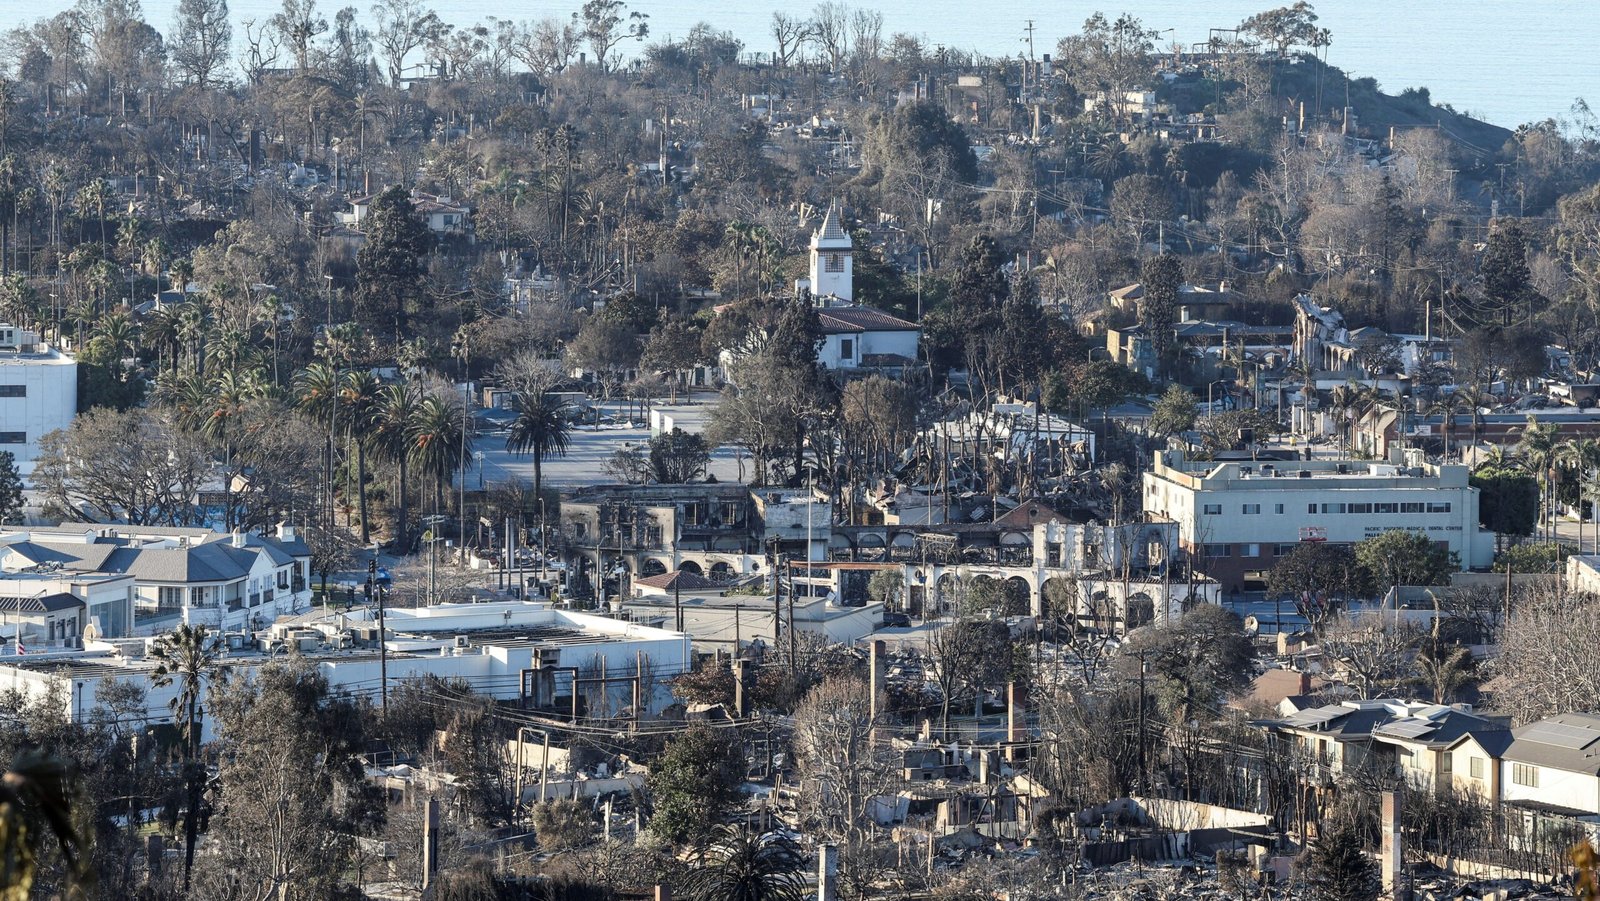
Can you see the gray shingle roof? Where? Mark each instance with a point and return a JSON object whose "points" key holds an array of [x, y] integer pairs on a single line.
{"points": [[49, 603], [1580, 759]]}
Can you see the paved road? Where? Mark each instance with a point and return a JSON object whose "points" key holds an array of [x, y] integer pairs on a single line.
{"points": [[590, 447]]}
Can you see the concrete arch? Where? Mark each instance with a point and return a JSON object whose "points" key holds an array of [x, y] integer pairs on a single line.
{"points": [[689, 566], [1018, 594], [721, 570], [652, 566]]}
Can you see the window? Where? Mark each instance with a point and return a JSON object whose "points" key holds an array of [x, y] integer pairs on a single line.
{"points": [[1475, 767], [169, 597], [13, 390], [1439, 508], [847, 348], [1447, 763], [1249, 509], [1525, 774], [833, 262], [1278, 508], [1333, 508], [1411, 507], [1359, 508], [13, 437], [1219, 550], [1311, 508], [1385, 508], [1283, 550], [1213, 509], [1250, 550]]}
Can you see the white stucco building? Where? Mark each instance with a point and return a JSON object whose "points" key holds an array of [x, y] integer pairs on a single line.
{"points": [[38, 393], [855, 336], [1238, 518]]}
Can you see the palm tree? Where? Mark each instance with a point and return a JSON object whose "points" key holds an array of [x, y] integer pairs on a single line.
{"points": [[541, 429], [1538, 447], [188, 657], [392, 417], [358, 396], [1582, 457], [1347, 401], [316, 392], [748, 866], [435, 443], [1443, 669]]}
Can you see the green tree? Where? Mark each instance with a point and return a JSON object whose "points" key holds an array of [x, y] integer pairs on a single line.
{"points": [[1505, 273], [10, 489], [190, 658], [1319, 577], [742, 865], [673, 347], [1398, 557], [1175, 412], [677, 457], [920, 135], [542, 427], [294, 795], [1197, 660], [695, 783], [604, 24], [1283, 27], [389, 270], [1508, 500], [1338, 870], [1162, 278], [885, 587]]}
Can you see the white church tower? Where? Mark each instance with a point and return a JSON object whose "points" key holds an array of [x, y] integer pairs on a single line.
{"points": [[831, 264]]}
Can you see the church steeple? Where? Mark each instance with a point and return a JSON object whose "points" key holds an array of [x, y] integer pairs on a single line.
{"points": [[832, 269]]}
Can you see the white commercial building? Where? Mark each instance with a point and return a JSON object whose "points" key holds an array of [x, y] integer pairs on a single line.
{"points": [[1238, 518], [548, 658], [38, 393]]}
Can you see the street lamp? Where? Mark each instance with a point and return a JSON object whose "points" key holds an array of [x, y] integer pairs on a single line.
{"points": [[478, 456]]}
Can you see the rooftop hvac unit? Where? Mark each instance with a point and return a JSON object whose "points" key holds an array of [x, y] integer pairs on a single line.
{"points": [[462, 642], [1305, 473]]}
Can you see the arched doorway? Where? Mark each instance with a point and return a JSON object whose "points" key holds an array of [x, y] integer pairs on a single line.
{"points": [[1141, 610], [1017, 596], [652, 567], [689, 566]]}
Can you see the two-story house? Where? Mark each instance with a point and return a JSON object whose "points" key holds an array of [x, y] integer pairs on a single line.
{"points": [[225, 581]]}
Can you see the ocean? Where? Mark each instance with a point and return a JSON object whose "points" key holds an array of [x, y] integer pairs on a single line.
{"points": [[1505, 61]]}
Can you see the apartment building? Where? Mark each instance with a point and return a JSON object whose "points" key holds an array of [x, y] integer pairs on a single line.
{"points": [[1237, 518]]}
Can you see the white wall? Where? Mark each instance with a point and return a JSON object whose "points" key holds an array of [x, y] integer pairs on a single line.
{"points": [[1558, 787], [50, 384]]}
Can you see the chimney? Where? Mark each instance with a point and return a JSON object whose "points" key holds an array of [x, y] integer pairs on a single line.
{"points": [[828, 872], [1393, 847], [1305, 684], [1016, 717], [876, 668], [238, 538], [430, 842]]}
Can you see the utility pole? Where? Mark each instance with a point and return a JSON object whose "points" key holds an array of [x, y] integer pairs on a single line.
{"points": [[1141, 722]]}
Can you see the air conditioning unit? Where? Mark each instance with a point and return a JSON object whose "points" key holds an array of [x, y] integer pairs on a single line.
{"points": [[1305, 473], [462, 641]]}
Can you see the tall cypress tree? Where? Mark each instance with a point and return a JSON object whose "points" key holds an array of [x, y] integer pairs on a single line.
{"points": [[389, 266], [1162, 278]]}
